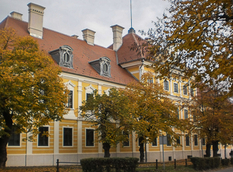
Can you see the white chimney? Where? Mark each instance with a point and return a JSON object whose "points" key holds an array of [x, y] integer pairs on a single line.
{"points": [[88, 36], [16, 15], [117, 36], [35, 20]]}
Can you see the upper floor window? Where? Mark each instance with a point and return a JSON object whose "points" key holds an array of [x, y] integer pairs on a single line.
{"points": [[192, 92], [70, 100], [178, 140], [176, 87], [166, 85], [185, 90], [178, 113], [185, 114]]}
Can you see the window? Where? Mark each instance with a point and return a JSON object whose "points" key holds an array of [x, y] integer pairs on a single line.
{"points": [[185, 90], [14, 138], [178, 113], [105, 67], [150, 81], [154, 143], [192, 92], [169, 141], [66, 57], [42, 137], [178, 140], [175, 87], [88, 96], [195, 140], [126, 143], [185, 114], [89, 137], [166, 85], [203, 141], [70, 100], [67, 136], [187, 140]]}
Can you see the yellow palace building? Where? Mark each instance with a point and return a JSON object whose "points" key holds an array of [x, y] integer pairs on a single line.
{"points": [[86, 67]]}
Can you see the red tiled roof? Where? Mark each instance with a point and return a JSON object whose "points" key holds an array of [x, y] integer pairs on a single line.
{"points": [[82, 52], [129, 51]]}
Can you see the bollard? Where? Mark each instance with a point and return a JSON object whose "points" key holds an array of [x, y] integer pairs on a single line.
{"points": [[186, 163], [156, 164], [174, 163], [57, 165]]}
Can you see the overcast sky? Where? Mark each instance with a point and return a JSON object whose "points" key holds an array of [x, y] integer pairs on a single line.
{"points": [[71, 16]]}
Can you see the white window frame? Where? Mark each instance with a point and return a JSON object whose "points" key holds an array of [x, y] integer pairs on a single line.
{"points": [[89, 90], [64, 135], [70, 86]]}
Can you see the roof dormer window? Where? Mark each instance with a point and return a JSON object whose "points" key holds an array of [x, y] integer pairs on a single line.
{"points": [[63, 56], [105, 66], [102, 66]]}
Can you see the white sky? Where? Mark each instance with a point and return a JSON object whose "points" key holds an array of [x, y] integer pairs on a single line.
{"points": [[71, 16]]}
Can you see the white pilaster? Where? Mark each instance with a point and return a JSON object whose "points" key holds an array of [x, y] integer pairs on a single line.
{"points": [[56, 137]]}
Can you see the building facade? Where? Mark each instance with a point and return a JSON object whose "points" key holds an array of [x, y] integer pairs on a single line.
{"points": [[87, 67]]}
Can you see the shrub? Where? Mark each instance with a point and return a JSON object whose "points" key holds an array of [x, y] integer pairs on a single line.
{"points": [[106, 164], [205, 163], [225, 162]]}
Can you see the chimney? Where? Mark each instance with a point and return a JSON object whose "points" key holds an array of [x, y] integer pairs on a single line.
{"points": [[88, 36], [117, 36], [35, 20], [16, 15]]}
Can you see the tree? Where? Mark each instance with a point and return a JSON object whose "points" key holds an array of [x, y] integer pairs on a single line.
{"points": [[195, 36], [31, 92], [110, 115], [213, 117], [153, 112]]}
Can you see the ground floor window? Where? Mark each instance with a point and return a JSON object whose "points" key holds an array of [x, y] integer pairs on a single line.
{"points": [[155, 143], [43, 136], [67, 136], [89, 137], [14, 138]]}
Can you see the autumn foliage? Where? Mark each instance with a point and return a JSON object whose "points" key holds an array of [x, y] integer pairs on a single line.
{"points": [[32, 94]]}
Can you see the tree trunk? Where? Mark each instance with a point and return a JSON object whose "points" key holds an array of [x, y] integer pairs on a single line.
{"points": [[208, 146], [141, 149], [4, 139], [215, 148], [3, 153], [106, 147]]}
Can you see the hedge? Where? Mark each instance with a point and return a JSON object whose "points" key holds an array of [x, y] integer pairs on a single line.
{"points": [[106, 164], [205, 163], [225, 162]]}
